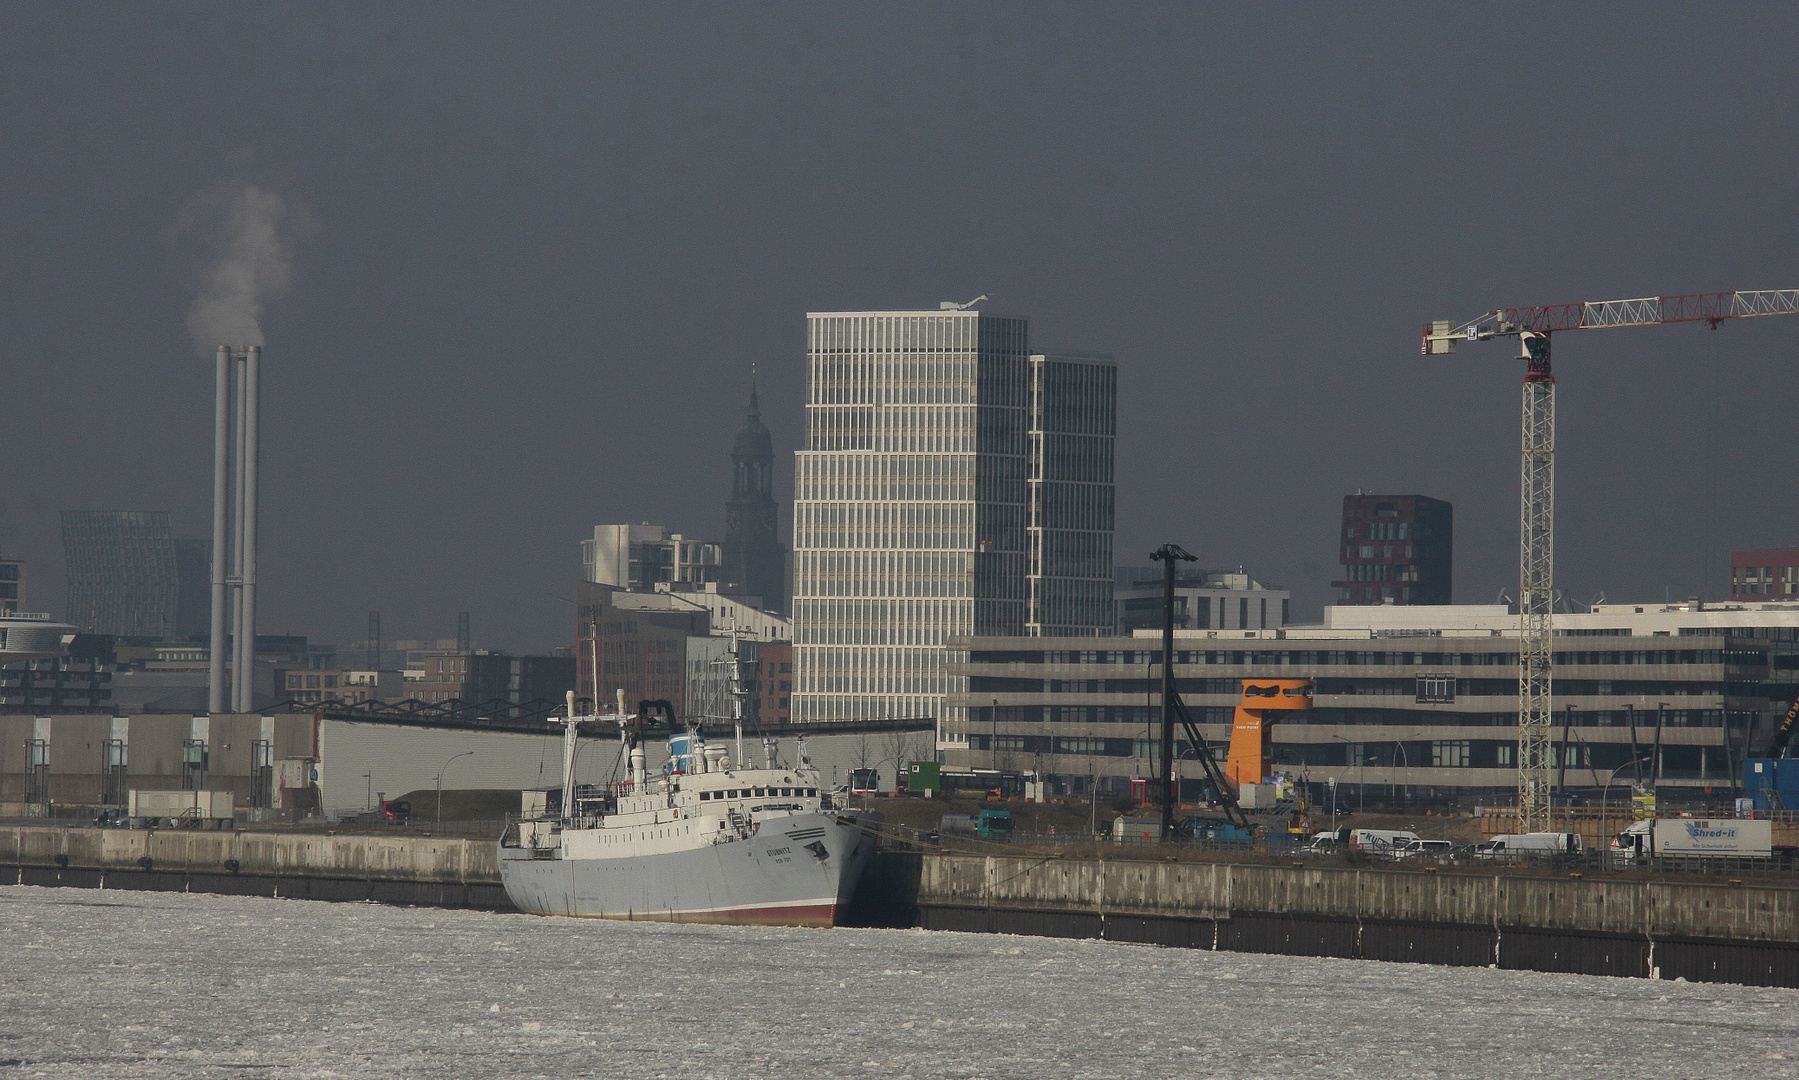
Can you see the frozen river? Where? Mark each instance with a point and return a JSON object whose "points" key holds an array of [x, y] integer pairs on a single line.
{"points": [[124, 984]]}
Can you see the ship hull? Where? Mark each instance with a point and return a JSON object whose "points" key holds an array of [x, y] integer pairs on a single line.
{"points": [[796, 871]]}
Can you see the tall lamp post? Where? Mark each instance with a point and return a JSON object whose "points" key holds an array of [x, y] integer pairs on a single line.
{"points": [[1361, 765], [440, 784]]}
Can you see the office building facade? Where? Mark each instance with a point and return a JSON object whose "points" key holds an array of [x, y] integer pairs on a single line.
{"points": [[910, 505], [1395, 549], [124, 579], [1203, 600], [1070, 492], [640, 557], [1764, 576], [946, 473], [1408, 702]]}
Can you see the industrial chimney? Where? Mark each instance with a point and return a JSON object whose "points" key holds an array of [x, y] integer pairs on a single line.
{"points": [[237, 406]]}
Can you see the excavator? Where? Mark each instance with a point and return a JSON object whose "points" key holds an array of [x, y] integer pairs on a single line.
{"points": [[1251, 756]]}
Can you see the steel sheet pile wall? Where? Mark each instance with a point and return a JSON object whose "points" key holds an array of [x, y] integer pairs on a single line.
{"points": [[1702, 932], [438, 871]]}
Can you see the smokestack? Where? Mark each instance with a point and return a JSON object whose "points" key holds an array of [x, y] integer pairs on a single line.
{"points": [[374, 641], [234, 475], [462, 638], [221, 553], [250, 440]]}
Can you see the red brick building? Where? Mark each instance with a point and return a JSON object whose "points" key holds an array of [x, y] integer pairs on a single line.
{"points": [[1764, 575], [1395, 549]]}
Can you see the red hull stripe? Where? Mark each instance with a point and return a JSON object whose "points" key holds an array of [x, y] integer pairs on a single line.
{"points": [[820, 915]]}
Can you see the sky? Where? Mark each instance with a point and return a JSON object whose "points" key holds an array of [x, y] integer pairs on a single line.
{"points": [[535, 250]]}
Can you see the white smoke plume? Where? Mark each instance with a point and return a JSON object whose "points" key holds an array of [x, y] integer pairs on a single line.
{"points": [[252, 266]]}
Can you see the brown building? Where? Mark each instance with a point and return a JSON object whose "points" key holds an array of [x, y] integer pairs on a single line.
{"points": [[635, 642], [774, 681], [1395, 549], [1764, 575]]}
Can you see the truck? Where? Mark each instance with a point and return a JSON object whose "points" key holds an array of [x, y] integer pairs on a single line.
{"points": [[180, 809], [1511, 847], [995, 825], [1694, 838]]}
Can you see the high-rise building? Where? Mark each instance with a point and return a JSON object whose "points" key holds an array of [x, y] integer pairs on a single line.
{"points": [[945, 472], [755, 561], [1764, 575], [1073, 426], [1395, 549], [193, 588], [123, 575]]}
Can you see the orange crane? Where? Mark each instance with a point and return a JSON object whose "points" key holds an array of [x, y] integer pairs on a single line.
{"points": [[1251, 757], [1532, 326]]}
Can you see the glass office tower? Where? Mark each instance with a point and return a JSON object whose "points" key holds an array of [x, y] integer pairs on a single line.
{"points": [[124, 578], [1073, 425], [951, 484], [909, 505]]}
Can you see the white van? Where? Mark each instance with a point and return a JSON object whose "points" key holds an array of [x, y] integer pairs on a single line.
{"points": [[1424, 849], [1379, 841], [1536, 845]]}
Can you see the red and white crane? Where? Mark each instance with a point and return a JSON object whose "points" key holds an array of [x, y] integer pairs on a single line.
{"points": [[1532, 326]]}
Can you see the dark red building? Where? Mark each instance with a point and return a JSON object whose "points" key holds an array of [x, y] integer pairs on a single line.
{"points": [[1395, 549], [774, 681], [1764, 575]]}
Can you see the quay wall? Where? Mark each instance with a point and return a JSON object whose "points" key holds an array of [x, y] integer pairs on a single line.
{"points": [[1741, 932], [437, 871]]}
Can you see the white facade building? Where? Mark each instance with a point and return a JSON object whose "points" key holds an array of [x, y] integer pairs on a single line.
{"points": [[643, 556], [951, 484]]}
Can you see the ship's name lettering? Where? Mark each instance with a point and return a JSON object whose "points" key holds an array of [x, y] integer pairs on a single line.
{"points": [[773, 852]]}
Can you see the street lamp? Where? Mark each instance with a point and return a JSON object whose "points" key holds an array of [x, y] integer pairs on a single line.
{"points": [[1406, 759], [440, 784], [1361, 765], [1333, 783], [1605, 792]]}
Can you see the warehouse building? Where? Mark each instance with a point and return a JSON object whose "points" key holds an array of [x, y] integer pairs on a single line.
{"points": [[303, 764], [1414, 703]]}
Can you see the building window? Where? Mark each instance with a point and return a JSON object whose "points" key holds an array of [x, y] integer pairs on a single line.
{"points": [[1435, 690], [1503, 755], [1449, 755]]}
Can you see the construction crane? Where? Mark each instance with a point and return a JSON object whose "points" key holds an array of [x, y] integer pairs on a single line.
{"points": [[1532, 326]]}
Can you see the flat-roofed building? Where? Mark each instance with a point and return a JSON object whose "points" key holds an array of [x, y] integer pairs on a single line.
{"points": [[1408, 701], [1204, 600]]}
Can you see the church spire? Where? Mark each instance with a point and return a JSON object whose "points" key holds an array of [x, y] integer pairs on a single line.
{"points": [[755, 407]]}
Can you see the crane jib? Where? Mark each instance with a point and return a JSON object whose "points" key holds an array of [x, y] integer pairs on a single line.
{"points": [[1713, 308]]}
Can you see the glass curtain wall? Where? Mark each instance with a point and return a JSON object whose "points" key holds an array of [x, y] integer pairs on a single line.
{"points": [[909, 505], [1074, 424]]}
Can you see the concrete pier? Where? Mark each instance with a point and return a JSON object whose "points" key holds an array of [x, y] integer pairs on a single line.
{"points": [[1744, 932], [406, 869], [1703, 931]]}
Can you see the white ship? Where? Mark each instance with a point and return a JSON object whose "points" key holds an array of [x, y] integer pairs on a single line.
{"points": [[709, 840]]}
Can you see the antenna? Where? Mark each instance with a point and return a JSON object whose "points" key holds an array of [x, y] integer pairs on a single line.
{"points": [[951, 305]]}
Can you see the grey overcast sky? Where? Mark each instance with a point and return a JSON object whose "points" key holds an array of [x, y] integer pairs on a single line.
{"points": [[541, 246]]}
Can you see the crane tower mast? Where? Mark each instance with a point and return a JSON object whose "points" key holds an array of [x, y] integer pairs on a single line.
{"points": [[1532, 326]]}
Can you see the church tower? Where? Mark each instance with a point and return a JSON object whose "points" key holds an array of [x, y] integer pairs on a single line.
{"points": [[755, 561]]}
